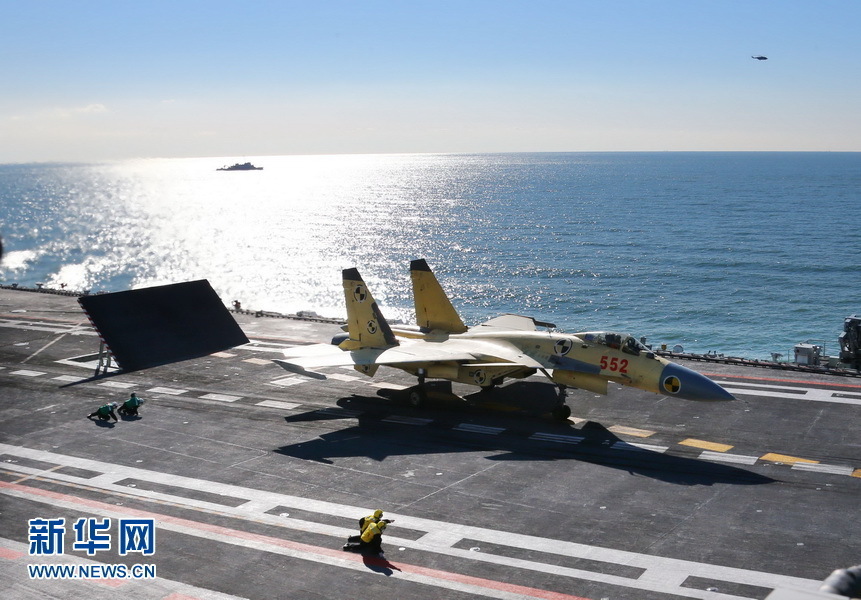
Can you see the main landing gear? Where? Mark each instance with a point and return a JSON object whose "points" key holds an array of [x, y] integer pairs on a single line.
{"points": [[418, 394], [561, 411]]}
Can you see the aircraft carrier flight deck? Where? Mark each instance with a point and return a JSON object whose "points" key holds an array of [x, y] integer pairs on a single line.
{"points": [[254, 478]]}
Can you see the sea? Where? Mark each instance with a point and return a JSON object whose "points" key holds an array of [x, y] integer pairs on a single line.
{"points": [[740, 253]]}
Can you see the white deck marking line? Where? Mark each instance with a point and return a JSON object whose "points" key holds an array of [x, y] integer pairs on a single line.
{"points": [[166, 390], [257, 361], [26, 373], [343, 377], [654, 564], [97, 589], [221, 397], [739, 459], [811, 394], [69, 378], [73, 329], [819, 468], [120, 385], [474, 586], [279, 404], [46, 346], [638, 447], [288, 381], [479, 429]]}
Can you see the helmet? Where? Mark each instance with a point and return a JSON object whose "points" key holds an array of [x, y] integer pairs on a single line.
{"points": [[378, 514], [113, 404]]}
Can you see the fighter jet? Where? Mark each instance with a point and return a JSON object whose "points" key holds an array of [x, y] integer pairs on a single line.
{"points": [[760, 57], [510, 346]]}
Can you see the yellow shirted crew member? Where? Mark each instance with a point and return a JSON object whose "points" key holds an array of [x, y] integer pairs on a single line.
{"points": [[372, 537], [374, 518]]}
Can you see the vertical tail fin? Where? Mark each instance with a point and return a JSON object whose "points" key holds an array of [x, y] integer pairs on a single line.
{"points": [[366, 325], [433, 308]]}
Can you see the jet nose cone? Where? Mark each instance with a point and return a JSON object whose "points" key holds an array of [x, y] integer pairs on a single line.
{"points": [[682, 382]]}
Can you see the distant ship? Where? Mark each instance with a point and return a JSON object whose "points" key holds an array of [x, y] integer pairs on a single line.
{"points": [[241, 167]]}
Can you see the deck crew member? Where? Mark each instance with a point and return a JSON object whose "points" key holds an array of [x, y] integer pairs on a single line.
{"points": [[372, 537], [130, 406], [105, 412]]}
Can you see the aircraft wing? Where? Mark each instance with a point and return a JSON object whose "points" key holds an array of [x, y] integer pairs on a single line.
{"points": [[513, 322], [303, 360], [511, 354]]}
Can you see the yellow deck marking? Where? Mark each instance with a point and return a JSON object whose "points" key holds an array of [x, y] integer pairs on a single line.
{"points": [[856, 473], [706, 445], [36, 475], [643, 433], [786, 459]]}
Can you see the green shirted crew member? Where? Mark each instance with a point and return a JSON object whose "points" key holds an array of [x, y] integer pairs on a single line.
{"points": [[105, 412], [130, 406]]}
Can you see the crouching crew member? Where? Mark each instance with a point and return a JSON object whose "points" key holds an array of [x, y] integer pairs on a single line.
{"points": [[130, 406], [372, 538], [373, 518], [105, 412]]}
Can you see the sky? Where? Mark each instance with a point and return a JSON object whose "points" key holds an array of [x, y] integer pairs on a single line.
{"points": [[102, 80]]}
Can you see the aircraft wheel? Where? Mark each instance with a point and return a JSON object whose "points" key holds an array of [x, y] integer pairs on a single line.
{"points": [[417, 397], [562, 412]]}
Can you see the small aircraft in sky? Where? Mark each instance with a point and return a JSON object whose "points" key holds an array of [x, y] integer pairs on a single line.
{"points": [[511, 346], [760, 57]]}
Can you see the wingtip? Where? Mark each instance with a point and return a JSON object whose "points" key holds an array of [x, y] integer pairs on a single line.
{"points": [[351, 274], [419, 264]]}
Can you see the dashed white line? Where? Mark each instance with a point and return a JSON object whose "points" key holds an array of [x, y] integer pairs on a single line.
{"points": [[343, 377], [818, 468], [808, 394], [26, 373], [739, 459], [553, 437], [288, 381], [69, 378], [221, 397], [278, 404], [479, 429], [638, 447], [662, 575], [166, 390], [121, 385]]}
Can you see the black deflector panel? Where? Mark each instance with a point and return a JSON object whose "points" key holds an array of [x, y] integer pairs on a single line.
{"points": [[161, 325]]}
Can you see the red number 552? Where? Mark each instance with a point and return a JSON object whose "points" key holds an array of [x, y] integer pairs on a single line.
{"points": [[614, 364]]}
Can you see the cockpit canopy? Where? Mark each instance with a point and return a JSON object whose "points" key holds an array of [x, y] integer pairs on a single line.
{"points": [[618, 341]]}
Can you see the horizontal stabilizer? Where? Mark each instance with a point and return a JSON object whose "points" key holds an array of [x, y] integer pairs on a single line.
{"points": [[163, 324]]}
